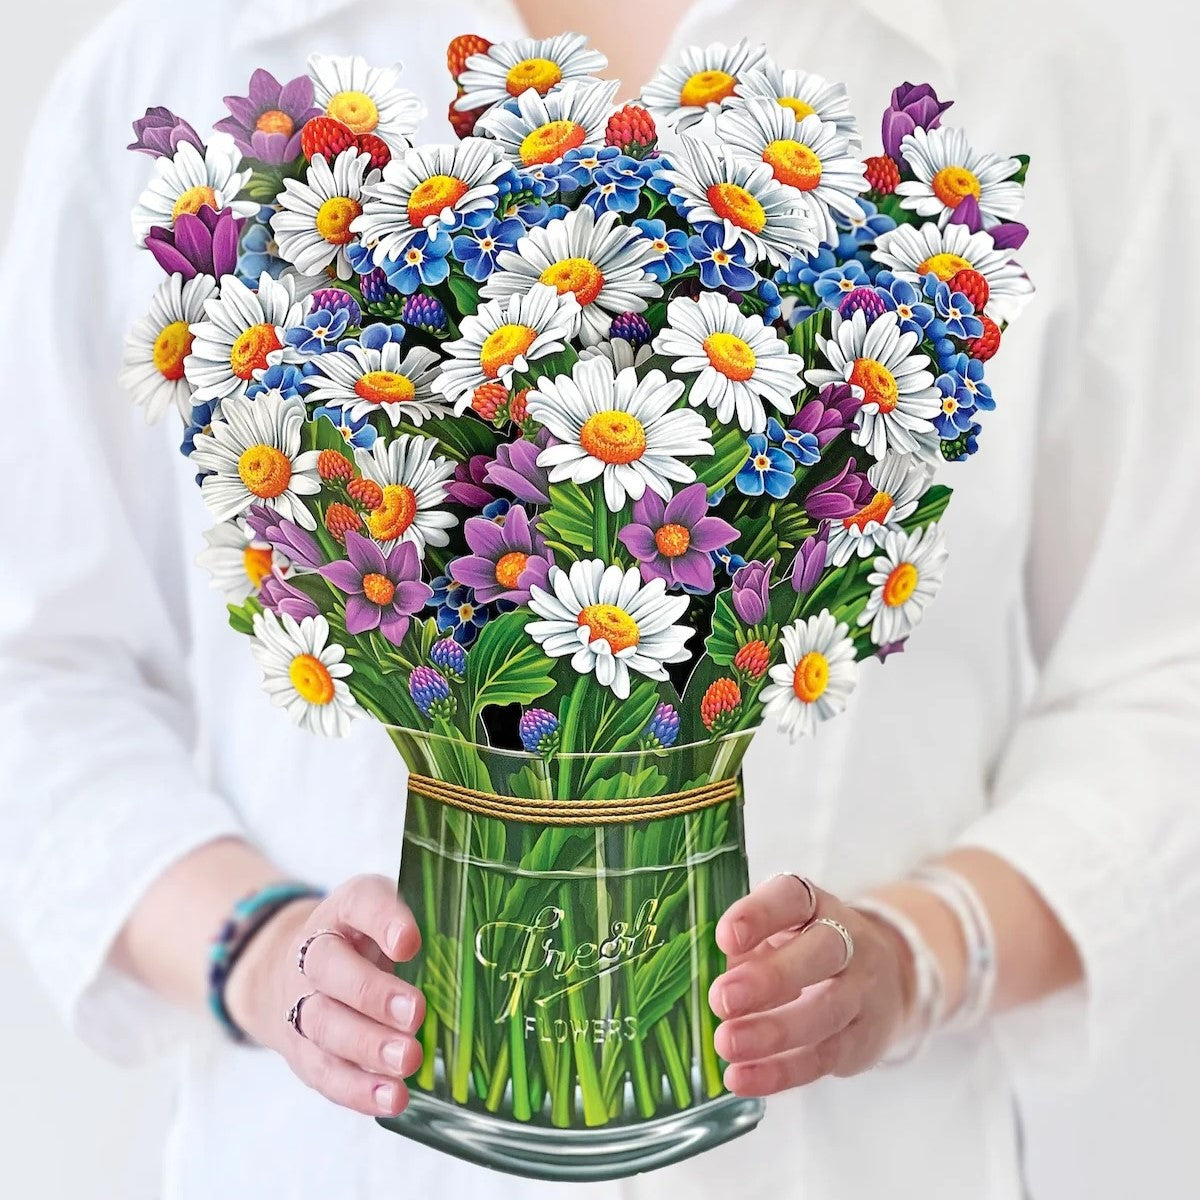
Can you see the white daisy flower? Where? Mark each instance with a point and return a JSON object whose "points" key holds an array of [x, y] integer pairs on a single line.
{"points": [[914, 251], [243, 335], [619, 352], [253, 451], [899, 482], [362, 381], [157, 347], [598, 259], [305, 673], [899, 399], [365, 99], [506, 69], [715, 184], [236, 562], [414, 490], [426, 189], [612, 426], [313, 226], [742, 365], [805, 154], [544, 128], [948, 169], [189, 181], [501, 340], [907, 576], [816, 678], [804, 94], [702, 80], [609, 623]]}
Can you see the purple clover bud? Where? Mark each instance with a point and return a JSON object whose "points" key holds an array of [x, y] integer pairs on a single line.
{"points": [[424, 312], [751, 592], [539, 731], [375, 287], [632, 328], [448, 656], [663, 727], [334, 301], [865, 300], [430, 691]]}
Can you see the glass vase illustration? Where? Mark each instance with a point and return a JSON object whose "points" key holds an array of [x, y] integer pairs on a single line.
{"points": [[567, 905]]}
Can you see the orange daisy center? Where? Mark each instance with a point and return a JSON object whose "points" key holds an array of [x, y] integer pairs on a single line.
{"points": [[878, 384], [877, 510], [379, 589], [731, 356], [673, 540], [578, 275], [900, 585], [737, 206], [811, 677], [265, 471], [434, 194], [706, 87], [251, 349], [311, 679], [510, 568], [611, 624], [193, 200], [356, 110], [613, 437], [944, 266], [257, 562], [541, 74], [334, 217], [794, 163], [952, 185], [548, 143], [801, 108], [385, 387], [171, 347], [502, 347], [396, 512], [275, 120]]}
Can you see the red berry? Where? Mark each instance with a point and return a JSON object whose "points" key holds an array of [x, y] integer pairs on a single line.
{"points": [[972, 285], [332, 465], [753, 659], [367, 492], [377, 148], [463, 123], [489, 399], [883, 175], [461, 48], [631, 129], [324, 135], [722, 697], [986, 345], [340, 519]]}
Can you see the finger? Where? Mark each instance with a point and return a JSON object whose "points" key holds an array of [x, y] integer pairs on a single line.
{"points": [[345, 1084], [820, 1012], [777, 977], [792, 1069], [350, 1036], [336, 969], [369, 904], [779, 904]]}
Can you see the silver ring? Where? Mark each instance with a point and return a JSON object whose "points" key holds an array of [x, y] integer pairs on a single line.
{"points": [[844, 934], [812, 898], [296, 1011], [308, 941]]}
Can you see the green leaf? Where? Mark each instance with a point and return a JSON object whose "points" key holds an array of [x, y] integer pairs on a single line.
{"points": [[506, 666], [620, 722], [568, 518], [546, 368], [933, 505], [729, 457], [241, 616], [722, 643], [466, 295], [323, 434], [649, 781], [458, 438], [661, 981], [1021, 175]]}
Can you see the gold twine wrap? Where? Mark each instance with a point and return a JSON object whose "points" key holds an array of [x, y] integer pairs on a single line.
{"points": [[573, 812]]}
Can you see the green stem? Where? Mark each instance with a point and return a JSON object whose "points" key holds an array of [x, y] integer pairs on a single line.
{"points": [[600, 545], [561, 1105], [465, 1045], [495, 1091], [710, 1064], [521, 1109], [677, 1074], [643, 1095], [595, 1111]]}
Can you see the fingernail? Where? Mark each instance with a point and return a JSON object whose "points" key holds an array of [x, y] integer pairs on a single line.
{"points": [[385, 1096], [393, 1055], [394, 935], [733, 997], [741, 934], [403, 1008]]}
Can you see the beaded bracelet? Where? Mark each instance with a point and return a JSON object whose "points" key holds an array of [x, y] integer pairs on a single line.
{"points": [[248, 917]]}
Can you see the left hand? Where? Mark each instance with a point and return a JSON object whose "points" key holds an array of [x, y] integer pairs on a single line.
{"points": [[791, 1009]]}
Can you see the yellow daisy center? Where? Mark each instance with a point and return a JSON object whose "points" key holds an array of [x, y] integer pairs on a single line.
{"points": [[275, 120], [548, 143], [944, 266], [334, 217], [257, 562], [265, 471], [900, 585], [952, 185], [877, 510], [251, 349], [541, 74], [801, 108], [737, 206], [706, 87], [878, 384], [578, 275], [193, 200], [311, 679], [432, 195], [610, 624], [510, 567], [385, 387], [395, 514], [171, 347], [794, 163], [811, 677], [673, 540], [731, 356], [503, 346], [356, 110], [613, 437], [379, 589]]}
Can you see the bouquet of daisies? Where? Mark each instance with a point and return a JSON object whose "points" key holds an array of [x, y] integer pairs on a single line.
{"points": [[595, 431]]}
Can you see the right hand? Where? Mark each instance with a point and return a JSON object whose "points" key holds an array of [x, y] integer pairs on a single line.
{"points": [[358, 1046]]}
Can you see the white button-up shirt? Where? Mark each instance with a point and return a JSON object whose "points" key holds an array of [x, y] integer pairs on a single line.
{"points": [[1047, 710]]}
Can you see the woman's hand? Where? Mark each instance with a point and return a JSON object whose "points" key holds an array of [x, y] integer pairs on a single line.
{"points": [[358, 1043], [792, 1010]]}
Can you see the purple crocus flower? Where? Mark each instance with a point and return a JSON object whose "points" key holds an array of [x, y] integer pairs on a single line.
{"points": [[469, 485], [839, 497], [509, 558], [160, 133], [280, 597], [384, 592], [516, 470], [266, 124], [810, 561], [297, 545], [913, 106], [752, 592], [1008, 235], [202, 244], [828, 415], [673, 540]]}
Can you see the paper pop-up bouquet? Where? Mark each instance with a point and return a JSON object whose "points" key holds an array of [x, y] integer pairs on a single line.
{"points": [[570, 451]]}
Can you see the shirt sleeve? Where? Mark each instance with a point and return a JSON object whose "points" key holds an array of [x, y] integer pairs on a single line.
{"points": [[98, 791], [1094, 797]]}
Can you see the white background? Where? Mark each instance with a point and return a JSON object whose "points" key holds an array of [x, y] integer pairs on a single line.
{"points": [[74, 1128]]}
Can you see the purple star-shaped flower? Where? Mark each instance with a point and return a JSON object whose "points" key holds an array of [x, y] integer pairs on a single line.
{"points": [[516, 470], [295, 544], [510, 557], [160, 133], [266, 124], [469, 485], [384, 592], [282, 597], [203, 244]]}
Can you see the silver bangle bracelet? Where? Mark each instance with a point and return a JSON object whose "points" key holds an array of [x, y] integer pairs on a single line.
{"points": [[930, 995], [961, 898]]}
